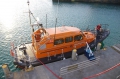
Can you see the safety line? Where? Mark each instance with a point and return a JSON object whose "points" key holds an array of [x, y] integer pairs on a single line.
{"points": [[105, 71]]}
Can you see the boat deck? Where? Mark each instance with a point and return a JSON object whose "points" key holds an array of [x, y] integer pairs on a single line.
{"points": [[105, 59], [29, 50]]}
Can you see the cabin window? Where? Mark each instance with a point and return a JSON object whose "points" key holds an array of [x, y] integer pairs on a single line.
{"points": [[68, 39], [78, 37], [58, 41]]}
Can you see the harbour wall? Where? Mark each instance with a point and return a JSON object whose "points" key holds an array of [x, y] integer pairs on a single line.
{"points": [[94, 1]]}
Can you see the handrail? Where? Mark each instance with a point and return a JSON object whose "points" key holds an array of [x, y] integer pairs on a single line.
{"points": [[103, 26], [78, 66]]}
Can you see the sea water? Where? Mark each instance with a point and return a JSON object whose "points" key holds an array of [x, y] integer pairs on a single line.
{"points": [[15, 26]]}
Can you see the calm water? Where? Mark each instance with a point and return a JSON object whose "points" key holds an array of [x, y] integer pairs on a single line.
{"points": [[14, 22]]}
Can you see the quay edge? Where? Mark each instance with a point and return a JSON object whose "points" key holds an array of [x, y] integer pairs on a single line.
{"points": [[91, 1]]}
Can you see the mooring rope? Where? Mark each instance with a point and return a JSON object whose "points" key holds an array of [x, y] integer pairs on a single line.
{"points": [[46, 66]]}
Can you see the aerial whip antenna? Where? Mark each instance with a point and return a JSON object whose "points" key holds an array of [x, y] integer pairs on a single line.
{"points": [[56, 20], [29, 15], [55, 28], [46, 20], [36, 19], [57, 9], [29, 11]]}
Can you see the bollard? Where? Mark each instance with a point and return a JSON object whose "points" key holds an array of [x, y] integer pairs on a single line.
{"points": [[28, 69], [6, 71], [74, 54], [98, 46]]}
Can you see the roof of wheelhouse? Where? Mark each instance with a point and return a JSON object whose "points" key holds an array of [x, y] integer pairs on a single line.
{"points": [[63, 30]]}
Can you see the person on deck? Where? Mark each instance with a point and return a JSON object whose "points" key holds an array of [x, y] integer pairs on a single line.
{"points": [[98, 28]]}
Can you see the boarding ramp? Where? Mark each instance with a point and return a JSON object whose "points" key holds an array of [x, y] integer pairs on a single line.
{"points": [[78, 66]]}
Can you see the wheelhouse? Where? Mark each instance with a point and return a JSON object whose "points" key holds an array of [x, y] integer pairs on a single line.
{"points": [[54, 41]]}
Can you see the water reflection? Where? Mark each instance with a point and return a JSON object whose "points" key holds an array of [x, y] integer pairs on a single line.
{"points": [[8, 11]]}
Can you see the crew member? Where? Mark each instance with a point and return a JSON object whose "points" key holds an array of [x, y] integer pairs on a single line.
{"points": [[98, 28]]}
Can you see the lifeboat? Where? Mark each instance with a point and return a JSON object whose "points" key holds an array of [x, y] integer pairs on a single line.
{"points": [[50, 45], [54, 44]]}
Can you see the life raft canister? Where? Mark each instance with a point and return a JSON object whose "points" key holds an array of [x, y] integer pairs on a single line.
{"points": [[11, 52]]}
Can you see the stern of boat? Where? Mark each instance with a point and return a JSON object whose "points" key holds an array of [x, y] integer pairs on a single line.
{"points": [[23, 55]]}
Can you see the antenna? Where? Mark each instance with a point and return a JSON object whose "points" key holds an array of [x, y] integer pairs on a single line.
{"points": [[29, 11], [55, 28], [31, 14], [56, 20], [46, 20], [57, 8]]}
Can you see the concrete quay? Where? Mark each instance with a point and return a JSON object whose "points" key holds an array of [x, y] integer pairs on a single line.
{"points": [[78, 69]]}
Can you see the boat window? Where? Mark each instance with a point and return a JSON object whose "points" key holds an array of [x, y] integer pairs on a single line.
{"points": [[78, 37], [68, 39], [58, 41]]}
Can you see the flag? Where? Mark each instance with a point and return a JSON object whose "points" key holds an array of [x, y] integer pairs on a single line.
{"points": [[89, 54]]}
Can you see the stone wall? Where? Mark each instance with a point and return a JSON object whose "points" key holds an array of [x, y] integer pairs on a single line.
{"points": [[99, 1]]}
